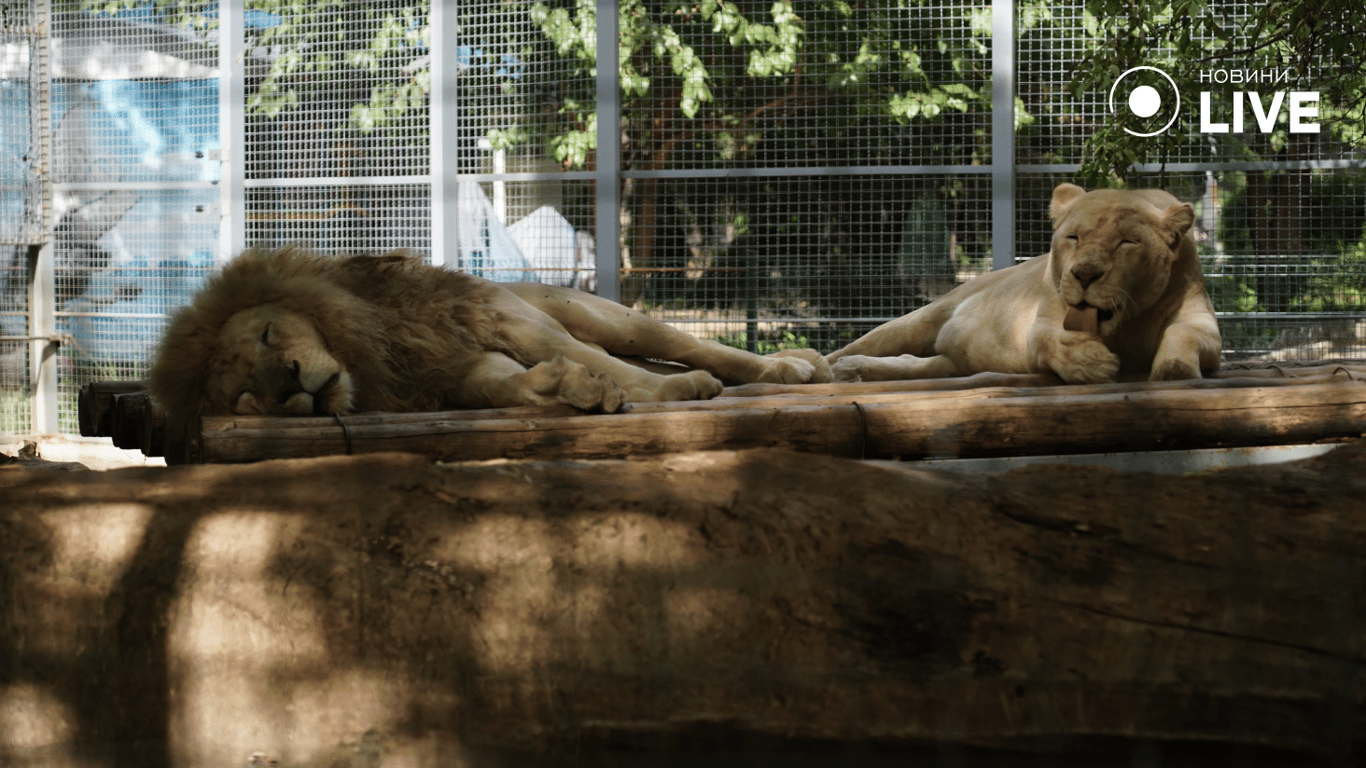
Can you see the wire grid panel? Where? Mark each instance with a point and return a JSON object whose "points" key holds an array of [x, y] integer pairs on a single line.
{"points": [[24, 201], [338, 132], [343, 91], [805, 261], [23, 193], [15, 403], [1053, 123], [337, 90], [135, 143], [843, 85], [358, 218]]}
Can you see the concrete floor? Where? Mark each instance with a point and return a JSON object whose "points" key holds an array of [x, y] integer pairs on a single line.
{"points": [[92, 453]]}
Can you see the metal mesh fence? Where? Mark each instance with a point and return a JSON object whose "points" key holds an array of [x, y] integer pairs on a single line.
{"points": [[25, 206], [135, 139], [803, 205], [791, 174], [773, 262], [873, 84]]}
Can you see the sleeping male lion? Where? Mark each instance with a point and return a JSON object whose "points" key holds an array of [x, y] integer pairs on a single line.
{"points": [[1125, 258], [290, 332]]}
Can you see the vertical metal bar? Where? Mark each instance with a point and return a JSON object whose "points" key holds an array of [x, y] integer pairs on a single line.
{"points": [[607, 179], [751, 300], [445, 141], [43, 353], [42, 259], [232, 131], [1002, 133]]}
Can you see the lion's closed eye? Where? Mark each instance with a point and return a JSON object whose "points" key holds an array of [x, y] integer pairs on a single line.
{"points": [[247, 404]]}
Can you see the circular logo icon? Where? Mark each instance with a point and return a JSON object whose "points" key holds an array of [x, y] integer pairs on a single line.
{"points": [[1151, 97]]}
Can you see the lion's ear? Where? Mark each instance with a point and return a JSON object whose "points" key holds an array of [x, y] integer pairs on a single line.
{"points": [[1063, 196], [1176, 222]]}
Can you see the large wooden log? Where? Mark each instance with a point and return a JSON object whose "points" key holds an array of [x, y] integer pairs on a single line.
{"points": [[119, 410], [358, 611], [988, 422]]}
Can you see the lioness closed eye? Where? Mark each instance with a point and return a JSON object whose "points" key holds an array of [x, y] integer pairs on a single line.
{"points": [[1120, 295], [288, 331]]}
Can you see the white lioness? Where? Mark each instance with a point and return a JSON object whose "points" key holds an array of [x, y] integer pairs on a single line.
{"points": [[290, 332], [1127, 258]]}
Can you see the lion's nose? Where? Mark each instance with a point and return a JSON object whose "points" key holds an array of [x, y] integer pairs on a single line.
{"points": [[1087, 273]]}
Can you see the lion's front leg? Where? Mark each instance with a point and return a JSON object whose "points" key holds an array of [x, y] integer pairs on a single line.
{"points": [[498, 381], [1077, 357], [1188, 351]]}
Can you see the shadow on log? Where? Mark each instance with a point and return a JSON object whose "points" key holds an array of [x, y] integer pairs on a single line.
{"points": [[752, 606]]}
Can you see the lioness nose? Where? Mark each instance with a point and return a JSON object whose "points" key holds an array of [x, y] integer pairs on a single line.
{"points": [[1087, 273]]}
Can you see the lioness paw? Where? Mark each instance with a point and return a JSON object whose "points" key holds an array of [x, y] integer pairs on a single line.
{"points": [[1087, 362], [693, 385], [1175, 369], [796, 366]]}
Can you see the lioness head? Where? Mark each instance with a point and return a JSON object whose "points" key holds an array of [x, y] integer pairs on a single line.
{"points": [[275, 362], [1115, 250]]}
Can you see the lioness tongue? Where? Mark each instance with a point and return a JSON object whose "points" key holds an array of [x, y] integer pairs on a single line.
{"points": [[1081, 320]]}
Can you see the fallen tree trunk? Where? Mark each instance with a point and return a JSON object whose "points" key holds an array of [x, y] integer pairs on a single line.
{"points": [[1118, 417], [349, 611]]}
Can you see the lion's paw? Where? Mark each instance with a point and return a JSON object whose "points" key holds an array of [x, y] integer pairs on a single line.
{"points": [[693, 385], [586, 390], [1086, 362], [796, 366]]}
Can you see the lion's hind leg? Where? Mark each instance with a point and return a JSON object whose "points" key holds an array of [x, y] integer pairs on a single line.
{"points": [[900, 349], [623, 331], [868, 368], [536, 336]]}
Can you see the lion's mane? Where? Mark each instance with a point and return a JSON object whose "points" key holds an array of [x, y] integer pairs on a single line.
{"points": [[395, 323]]}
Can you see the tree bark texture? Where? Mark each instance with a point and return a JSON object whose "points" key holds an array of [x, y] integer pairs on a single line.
{"points": [[386, 609]]}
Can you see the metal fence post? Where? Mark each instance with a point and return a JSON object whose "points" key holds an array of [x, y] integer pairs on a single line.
{"points": [[607, 171], [43, 350], [42, 296], [232, 105], [445, 135], [1002, 133]]}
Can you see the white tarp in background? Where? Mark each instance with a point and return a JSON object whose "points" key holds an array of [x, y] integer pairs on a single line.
{"points": [[560, 255], [486, 247]]}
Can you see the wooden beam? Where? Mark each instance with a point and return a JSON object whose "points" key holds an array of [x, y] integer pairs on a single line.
{"points": [[972, 423], [845, 419]]}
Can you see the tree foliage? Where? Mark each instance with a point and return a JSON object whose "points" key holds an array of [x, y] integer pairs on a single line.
{"points": [[1317, 41]]}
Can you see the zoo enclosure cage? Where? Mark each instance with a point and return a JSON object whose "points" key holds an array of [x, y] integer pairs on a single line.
{"points": [[785, 175]]}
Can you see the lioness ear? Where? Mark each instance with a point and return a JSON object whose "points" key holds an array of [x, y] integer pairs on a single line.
{"points": [[1177, 221], [1063, 196]]}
